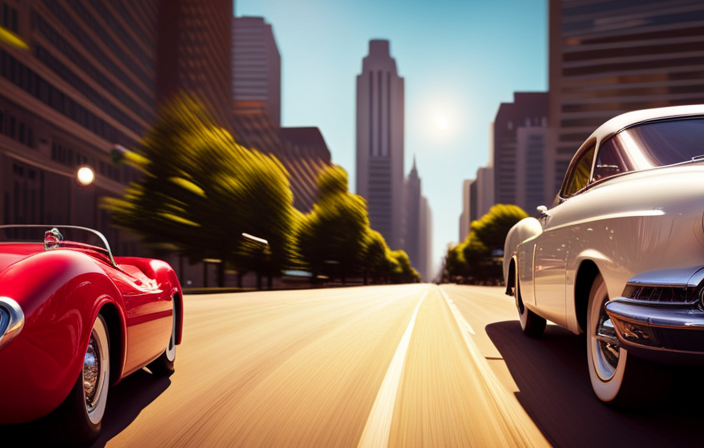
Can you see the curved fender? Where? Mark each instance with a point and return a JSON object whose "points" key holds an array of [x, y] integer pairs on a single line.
{"points": [[525, 229], [602, 262], [61, 294], [166, 276], [167, 280]]}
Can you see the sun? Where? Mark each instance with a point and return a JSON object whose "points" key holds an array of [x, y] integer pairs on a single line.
{"points": [[442, 123]]}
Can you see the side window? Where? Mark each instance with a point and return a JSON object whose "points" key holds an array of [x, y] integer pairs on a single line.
{"points": [[579, 174], [609, 161]]}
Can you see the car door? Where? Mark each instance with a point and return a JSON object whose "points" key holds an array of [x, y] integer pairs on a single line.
{"points": [[148, 312], [553, 245]]}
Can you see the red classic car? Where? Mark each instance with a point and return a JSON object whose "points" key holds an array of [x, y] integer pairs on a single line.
{"points": [[75, 320]]}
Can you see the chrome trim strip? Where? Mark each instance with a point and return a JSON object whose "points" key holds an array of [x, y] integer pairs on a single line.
{"points": [[87, 229], [655, 303], [16, 321], [682, 318], [675, 277]]}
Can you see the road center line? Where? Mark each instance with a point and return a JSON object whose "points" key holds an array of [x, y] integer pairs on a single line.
{"points": [[378, 428], [457, 313]]}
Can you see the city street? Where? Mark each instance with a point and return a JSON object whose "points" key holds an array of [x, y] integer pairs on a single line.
{"points": [[402, 366]]}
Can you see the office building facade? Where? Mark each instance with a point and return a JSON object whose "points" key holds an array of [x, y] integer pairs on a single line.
{"points": [[380, 144], [485, 191], [469, 207], [425, 249], [256, 65], [614, 56], [195, 53], [86, 83], [529, 109]]}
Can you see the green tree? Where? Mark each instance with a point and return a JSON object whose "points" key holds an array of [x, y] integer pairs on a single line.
{"points": [[201, 191], [471, 261], [404, 272], [376, 259], [492, 228], [331, 238]]}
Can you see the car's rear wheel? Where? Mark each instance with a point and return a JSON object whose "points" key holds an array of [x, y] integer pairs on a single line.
{"points": [[531, 324], [164, 365], [80, 416], [618, 379]]}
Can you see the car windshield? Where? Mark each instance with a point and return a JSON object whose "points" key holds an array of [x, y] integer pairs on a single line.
{"points": [[651, 145], [54, 237]]}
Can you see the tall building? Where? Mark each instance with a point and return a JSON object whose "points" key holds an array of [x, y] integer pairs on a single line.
{"points": [[468, 206], [195, 52], [425, 228], [86, 83], [615, 56], [529, 109], [256, 65], [380, 128], [534, 187], [485, 191], [412, 203]]}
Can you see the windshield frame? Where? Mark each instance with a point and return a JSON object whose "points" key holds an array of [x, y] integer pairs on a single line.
{"points": [[69, 244]]}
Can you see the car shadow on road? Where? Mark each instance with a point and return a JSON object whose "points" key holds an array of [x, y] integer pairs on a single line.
{"points": [[125, 402], [554, 389]]}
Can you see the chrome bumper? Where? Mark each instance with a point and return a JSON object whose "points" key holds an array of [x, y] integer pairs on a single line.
{"points": [[658, 331]]}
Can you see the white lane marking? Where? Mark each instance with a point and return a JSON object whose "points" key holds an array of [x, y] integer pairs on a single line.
{"points": [[378, 428], [454, 308], [515, 419]]}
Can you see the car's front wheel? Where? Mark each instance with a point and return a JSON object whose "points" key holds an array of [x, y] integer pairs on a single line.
{"points": [[618, 379], [79, 418]]}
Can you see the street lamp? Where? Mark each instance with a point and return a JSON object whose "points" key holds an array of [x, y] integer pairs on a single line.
{"points": [[85, 176]]}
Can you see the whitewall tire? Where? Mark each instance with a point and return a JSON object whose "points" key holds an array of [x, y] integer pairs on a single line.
{"points": [[618, 379]]}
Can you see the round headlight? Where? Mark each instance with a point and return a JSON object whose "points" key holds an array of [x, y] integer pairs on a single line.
{"points": [[4, 320]]}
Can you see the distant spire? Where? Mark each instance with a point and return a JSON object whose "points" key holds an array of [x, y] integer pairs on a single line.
{"points": [[414, 162]]}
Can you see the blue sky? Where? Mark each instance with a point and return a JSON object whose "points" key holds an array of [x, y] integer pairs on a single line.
{"points": [[460, 60]]}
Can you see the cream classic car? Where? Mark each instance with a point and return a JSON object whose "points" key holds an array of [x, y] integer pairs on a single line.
{"points": [[620, 254]]}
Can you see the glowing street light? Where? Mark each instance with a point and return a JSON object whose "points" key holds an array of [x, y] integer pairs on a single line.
{"points": [[85, 176]]}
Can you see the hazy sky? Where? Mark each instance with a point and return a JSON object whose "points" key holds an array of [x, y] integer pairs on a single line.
{"points": [[460, 60]]}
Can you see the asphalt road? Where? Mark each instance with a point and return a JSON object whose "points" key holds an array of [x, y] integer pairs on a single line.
{"points": [[378, 366]]}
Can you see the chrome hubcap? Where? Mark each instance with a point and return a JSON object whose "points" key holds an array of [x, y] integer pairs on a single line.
{"points": [[606, 344], [91, 372]]}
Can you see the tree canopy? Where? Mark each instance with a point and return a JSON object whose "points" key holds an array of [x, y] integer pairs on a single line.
{"points": [[471, 260], [201, 190]]}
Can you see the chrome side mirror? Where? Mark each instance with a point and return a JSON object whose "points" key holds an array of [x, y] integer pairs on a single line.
{"points": [[542, 212], [52, 239]]}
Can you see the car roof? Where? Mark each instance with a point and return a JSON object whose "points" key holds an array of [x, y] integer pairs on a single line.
{"points": [[629, 119]]}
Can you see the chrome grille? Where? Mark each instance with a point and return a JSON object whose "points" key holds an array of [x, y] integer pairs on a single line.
{"points": [[660, 294]]}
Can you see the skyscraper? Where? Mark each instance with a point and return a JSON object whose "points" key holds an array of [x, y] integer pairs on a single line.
{"points": [[412, 200], [425, 228], [256, 65], [380, 124], [529, 109], [195, 53], [469, 207], [485, 192], [614, 56]]}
